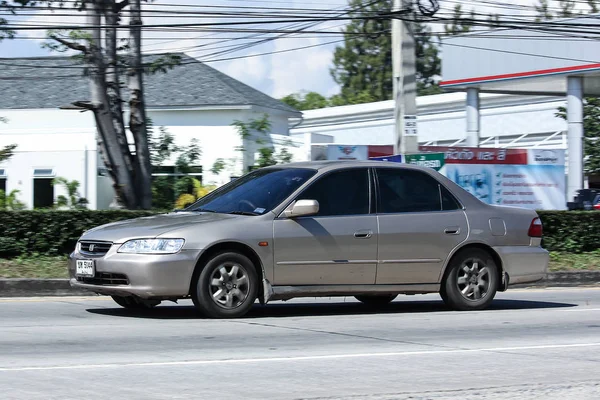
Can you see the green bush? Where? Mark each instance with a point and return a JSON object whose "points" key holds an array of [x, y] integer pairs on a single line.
{"points": [[52, 232], [571, 231], [56, 232]]}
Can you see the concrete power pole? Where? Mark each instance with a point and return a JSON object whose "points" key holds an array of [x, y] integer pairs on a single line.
{"points": [[405, 83]]}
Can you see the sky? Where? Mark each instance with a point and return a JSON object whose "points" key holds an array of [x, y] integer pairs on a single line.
{"points": [[276, 74]]}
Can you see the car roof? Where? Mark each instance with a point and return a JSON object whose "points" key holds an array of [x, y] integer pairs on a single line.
{"points": [[335, 164]]}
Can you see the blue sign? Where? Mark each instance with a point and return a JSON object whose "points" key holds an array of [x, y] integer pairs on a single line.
{"points": [[395, 158]]}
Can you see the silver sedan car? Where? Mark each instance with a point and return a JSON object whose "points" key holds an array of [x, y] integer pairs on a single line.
{"points": [[372, 230]]}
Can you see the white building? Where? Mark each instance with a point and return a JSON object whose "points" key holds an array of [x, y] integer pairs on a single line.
{"points": [[506, 121], [190, 101]]}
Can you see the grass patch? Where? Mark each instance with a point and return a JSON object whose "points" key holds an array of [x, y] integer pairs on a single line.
{"points": [[34, 267], [56, 266], [575, 262]]}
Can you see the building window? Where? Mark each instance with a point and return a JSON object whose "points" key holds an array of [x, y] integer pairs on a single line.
{"points": [[3, 184], [45, 172], [43, 193], [43, 189]]}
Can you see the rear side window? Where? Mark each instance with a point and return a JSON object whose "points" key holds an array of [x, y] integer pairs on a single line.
{"points": [[402, 191], [340, 193]]}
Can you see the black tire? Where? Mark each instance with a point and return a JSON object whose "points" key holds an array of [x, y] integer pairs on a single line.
{"points": [[465, 286], [208, 298], [133, 303], [376, 300]]}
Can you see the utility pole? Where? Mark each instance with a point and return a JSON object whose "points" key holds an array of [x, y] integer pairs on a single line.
{"points": [[405, 83]]}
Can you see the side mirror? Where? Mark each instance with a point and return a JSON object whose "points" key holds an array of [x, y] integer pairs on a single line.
{"points": [[302, 208]]}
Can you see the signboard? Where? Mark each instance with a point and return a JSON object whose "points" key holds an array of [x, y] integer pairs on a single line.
{"points": [[480, 155], [429, 160], [529, 186], [395, 158], [410, 125], [528, 178], [340, 152]]}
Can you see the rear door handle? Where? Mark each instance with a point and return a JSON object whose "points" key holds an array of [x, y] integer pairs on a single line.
{"points": [[452, 231], [363, 234]]}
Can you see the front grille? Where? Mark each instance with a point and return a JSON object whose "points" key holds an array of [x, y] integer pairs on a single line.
{"points": [[96, 249], [105, 278]]}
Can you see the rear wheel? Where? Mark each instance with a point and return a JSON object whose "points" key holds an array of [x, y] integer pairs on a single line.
{"points": [[227, 286], [376, 300], [134, 303], [471, 281]]}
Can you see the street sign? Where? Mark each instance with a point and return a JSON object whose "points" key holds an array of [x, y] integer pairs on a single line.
{"points": [[410, 125], [429, 160]]}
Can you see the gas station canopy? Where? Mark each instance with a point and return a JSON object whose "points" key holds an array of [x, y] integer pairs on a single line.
{"points": [[525, 61]]}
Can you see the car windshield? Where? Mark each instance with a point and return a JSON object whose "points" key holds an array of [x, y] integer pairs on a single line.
{"points": [[255, 193]]}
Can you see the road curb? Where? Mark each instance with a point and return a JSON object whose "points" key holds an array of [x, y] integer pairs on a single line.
{"points": [[567, 279], [62, 287], [39, 287]]}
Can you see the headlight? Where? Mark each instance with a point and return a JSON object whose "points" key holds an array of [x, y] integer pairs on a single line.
{"points": [[152, 246]]}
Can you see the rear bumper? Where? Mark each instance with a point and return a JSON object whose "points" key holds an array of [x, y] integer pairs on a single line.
{"points": [[148, 276], [524, 264]]}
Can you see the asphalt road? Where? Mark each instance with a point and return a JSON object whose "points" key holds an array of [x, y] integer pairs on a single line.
{"points": [[531, 344]]}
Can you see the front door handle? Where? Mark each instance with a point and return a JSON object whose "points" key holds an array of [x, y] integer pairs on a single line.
{"points": [[363, 234], [452, 231]]}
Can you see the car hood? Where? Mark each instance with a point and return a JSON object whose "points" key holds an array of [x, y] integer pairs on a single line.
{"points": [[151, 227]]}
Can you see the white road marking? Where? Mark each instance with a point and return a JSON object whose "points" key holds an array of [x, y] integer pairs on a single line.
{"points": [[581, 309], [50, 299], [298, 358]]}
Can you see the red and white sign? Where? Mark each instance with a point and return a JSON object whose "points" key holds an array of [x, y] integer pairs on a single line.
{"points": [[480, 155]]}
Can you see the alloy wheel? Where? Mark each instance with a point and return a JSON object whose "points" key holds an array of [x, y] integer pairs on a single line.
{"points": [[473, 279], [229, 285]]}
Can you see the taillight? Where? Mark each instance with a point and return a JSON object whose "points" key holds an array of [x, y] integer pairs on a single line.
{"points": [[536, 229]]}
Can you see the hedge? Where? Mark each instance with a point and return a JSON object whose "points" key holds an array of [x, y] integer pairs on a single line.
{"points": [[52, 232], [56, 232], [571, 231]]}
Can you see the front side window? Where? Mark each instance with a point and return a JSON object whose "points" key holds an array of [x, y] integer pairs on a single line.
{"points": [[255, 193], [343, 192], [407, 190]]}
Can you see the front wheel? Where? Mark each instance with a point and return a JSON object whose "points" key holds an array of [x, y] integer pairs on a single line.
{"points": [[227, 286], [471, 281], [376, 300]]}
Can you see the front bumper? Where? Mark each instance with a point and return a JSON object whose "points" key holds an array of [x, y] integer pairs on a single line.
{"points": [[524, 264], [148, 276]]}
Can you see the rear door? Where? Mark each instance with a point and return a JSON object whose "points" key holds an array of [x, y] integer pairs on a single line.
{"points": [[420, 223], [339, 244]]}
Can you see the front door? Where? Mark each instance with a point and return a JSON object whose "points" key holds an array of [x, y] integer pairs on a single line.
{"points": [[420, 223], [339, 244]]}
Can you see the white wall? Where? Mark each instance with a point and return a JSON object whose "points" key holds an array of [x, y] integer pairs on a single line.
{"points": [[61, 140], [440, 118], [216, 136], [66, 142]]}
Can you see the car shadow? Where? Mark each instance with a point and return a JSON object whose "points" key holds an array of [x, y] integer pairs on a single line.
{"points": [[297, 309]]}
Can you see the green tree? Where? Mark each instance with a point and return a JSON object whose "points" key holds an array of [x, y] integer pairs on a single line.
{"points": [[10, 202], [459, 24], [72, 200], [363, 63], [362, 66], [566, 9], [257, 130], [108, 65], [166, 190], [591, 129], [429, 64], [7, 151], [308, 101]]}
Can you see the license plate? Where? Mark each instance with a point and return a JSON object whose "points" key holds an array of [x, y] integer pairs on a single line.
{"points": [[85, 268]]}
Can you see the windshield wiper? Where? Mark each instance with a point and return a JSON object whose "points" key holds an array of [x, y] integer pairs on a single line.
{"points": [[243, 213], [195, 210]]}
